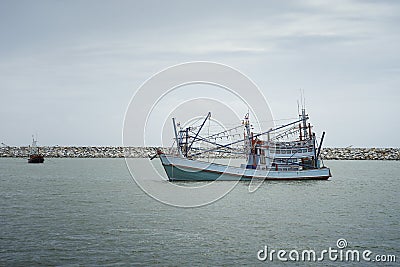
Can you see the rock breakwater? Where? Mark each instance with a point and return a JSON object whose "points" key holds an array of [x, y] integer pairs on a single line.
{"points": [[143, 152], [361, 153], [81, 152]]}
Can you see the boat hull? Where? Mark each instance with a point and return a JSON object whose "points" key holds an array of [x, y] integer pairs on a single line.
{"points": [[182, 169]]}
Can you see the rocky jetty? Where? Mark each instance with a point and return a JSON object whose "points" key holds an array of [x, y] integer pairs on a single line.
{"points": [[361, 153], [143, 152], [81, 152]]}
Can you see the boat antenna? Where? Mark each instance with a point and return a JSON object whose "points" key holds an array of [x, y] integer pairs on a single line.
{"points": [[302, 99]]}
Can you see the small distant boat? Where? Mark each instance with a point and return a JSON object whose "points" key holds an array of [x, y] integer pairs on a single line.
{"points": [[292, 159], [34, 153]]}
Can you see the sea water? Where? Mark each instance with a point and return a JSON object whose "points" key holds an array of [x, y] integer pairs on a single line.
{"points": [[91, 212]]}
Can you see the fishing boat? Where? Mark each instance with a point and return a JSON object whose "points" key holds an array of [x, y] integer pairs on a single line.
{"points": [[34, 153], [289, 152]]}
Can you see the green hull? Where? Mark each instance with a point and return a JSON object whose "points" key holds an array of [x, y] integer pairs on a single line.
{"points": [[180, 174]]}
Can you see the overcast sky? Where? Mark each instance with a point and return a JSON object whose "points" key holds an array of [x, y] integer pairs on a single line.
{"points": [[68, 69]]}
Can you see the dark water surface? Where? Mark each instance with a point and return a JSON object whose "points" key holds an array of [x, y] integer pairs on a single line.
{"points": [[90, 212]]}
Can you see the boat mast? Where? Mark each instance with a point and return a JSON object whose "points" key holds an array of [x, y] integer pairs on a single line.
{"points": [[304, 118], [33, 141], [248, 140], [34, 149], [176, 137], [246, 123]]}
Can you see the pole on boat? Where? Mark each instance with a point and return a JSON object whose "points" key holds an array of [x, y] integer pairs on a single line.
{"points": [[304, 120], [186, 141], [320, 145], [314, 143], [176, 136], [208, 116]]}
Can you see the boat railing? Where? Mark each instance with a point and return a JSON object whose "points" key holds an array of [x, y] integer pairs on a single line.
{"points": [[291, 151]]}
